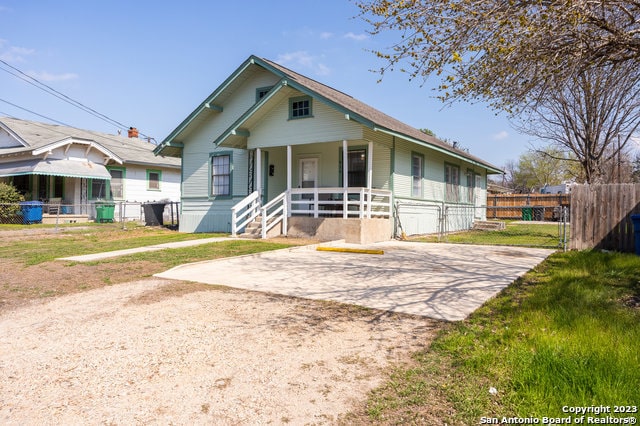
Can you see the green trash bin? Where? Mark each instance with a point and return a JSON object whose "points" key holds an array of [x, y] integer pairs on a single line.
{"points": [[104, 212], [527, 213]]}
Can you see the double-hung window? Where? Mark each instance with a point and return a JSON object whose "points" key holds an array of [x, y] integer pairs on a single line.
{"points": [[220, 175], [417, 172], [471, 186], [452, 180], [116, 184]]}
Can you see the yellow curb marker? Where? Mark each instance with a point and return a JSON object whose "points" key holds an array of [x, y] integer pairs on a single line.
{"points": [[350, 250]]}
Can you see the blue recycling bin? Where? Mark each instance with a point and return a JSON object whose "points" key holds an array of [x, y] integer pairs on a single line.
{"points": [[31, 212], [635, 218]]}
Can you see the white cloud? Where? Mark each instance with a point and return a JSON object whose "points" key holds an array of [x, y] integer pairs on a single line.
{"points": [[46, 76], [302, 59], [500, 135], [326, 35], [356, 37], [10, 53]]}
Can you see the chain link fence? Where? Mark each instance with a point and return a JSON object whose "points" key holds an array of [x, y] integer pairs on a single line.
{"points": [[530, 226], [527, 226], [159, 213]]}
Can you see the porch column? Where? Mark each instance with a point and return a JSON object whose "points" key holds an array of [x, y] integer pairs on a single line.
{"points": [[259, 172], [289, 180], [369, 178], [370, 166], [289, 168], [345, 162], [345, 179]]}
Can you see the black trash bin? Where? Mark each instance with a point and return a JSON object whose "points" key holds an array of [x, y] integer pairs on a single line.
{"points": [[153, 214], [538, 214]]}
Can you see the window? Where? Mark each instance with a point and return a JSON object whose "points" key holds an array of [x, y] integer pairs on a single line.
{"points": [[417, 172], [220, 175], [452, 180], [98, 189], [261, 92], [116, 184], [357, 171], [300, 107], [153, 180]]}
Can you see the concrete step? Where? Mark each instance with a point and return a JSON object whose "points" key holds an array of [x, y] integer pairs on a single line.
{"points": [[254, 229], [486, 225]]}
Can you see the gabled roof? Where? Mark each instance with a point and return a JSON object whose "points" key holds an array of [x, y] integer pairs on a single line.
{"points": [[36, 137], [351, 107]]}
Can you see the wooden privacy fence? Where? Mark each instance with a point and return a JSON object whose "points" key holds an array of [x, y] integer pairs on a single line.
{"points": [[509, 206], [601, 216]]}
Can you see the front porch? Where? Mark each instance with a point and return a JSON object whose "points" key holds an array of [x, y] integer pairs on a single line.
{"points": [[357, 215]]}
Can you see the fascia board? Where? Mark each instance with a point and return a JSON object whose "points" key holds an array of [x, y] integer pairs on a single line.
{"points": [[231, 130], [439, 149]]}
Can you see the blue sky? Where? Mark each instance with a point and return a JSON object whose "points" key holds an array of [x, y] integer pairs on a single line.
{"points": [[148, 64]]}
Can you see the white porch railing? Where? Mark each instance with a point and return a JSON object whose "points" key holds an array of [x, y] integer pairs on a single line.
{"points": [[340, 202], [316, 202], [245, 212], [273, 213]]}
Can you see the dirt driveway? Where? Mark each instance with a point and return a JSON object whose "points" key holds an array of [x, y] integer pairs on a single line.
{"points": [[136, 353]]}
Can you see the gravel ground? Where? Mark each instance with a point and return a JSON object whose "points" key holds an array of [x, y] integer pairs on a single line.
{"points": [[138, 353]]}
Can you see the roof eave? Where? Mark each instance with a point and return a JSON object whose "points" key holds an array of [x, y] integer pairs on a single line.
{"points": [[205, 105], [490, 168]]}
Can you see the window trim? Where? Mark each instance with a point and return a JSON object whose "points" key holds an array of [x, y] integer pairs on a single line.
{"points": [[300, 99], [422, 168], [159, 173], [210, 193]]}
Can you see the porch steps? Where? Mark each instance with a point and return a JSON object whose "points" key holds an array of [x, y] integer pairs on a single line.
{"points": [[254, 229], [486, 225]]}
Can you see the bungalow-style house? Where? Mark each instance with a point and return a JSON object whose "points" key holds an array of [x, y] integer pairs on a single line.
{"points": [[273, 148], [78, 168]]}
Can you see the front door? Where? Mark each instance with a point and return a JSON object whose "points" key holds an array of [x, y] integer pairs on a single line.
{"points": [[308, 172], [308, 175]]}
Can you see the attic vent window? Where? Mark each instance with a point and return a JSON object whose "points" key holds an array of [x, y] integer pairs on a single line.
{"points": [[261, 92], [300, 107]]}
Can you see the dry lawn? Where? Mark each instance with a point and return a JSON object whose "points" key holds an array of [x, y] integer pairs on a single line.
{"points": [[107, 344]]}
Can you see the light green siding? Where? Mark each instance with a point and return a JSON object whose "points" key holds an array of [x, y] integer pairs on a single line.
{"points": [[327, 124], [199, 213]]}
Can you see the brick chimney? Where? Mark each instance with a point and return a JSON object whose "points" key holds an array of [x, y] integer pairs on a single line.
{"points": [[133, 132]]}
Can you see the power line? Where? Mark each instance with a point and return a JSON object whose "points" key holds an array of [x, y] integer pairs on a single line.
{"points": [[32, 112], [50, 90]]}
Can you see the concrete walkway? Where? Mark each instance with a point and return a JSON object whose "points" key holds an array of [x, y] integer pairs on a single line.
{"points": [[442, 281], [105, 255]]}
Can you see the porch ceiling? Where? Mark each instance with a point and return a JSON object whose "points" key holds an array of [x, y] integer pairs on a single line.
{"points": [[53, 167]]}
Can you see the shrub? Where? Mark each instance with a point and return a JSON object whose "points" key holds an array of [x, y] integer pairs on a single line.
{"points": [[9, 199], [9, 194]]}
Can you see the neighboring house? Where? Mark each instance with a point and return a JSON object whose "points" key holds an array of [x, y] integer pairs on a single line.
{"points": [[268, 135], [79, 167]]}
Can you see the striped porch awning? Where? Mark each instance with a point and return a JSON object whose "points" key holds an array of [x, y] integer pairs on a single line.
{"points": [[55, 167]]}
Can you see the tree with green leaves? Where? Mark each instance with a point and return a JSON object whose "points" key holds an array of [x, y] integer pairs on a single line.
{"points": [[538, 168]]}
